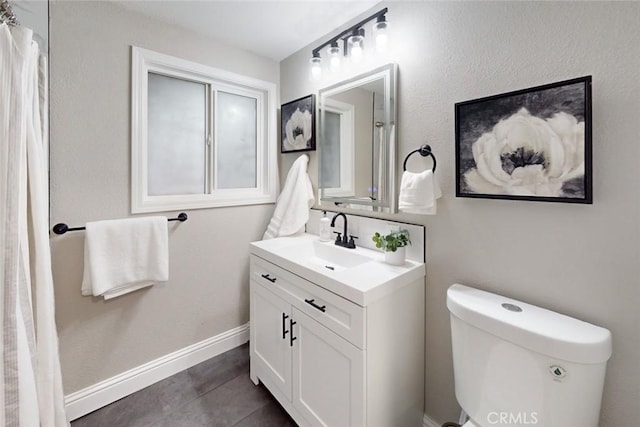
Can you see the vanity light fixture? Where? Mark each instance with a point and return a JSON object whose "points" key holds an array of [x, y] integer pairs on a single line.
{"points": [[334, 56], [316, 66], [352, 44], [381, 33], [356, 44]]}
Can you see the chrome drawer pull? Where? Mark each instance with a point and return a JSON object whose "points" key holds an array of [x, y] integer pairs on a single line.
{"points": [[312, 303]]}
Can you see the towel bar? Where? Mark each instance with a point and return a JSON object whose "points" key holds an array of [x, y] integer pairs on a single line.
{"points": [[62, 228], [424, 150]]}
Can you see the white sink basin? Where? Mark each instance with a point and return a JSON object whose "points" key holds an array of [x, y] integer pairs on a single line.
{"points": [[325, 255], [359, 275]]}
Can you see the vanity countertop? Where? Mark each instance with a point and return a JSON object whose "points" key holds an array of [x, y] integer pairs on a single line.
{"points": [[369, 279]]}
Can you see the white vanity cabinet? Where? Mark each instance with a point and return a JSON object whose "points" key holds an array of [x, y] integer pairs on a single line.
{"points": [[332, 362]]}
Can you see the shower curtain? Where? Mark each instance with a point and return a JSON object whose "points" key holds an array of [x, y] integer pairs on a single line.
{"points": [[30, 380]]}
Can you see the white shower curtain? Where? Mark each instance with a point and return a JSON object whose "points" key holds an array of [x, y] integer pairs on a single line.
{"points": [[30, 380]]}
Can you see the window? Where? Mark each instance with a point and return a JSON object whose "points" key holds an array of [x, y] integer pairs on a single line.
{"points": [[201, 137]]}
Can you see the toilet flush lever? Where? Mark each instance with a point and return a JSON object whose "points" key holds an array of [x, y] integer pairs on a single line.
{"points": [[511, 307]]}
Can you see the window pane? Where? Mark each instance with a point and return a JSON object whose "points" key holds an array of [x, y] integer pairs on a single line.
{"points": [[330, 152], [176, 136], [236, 127]]}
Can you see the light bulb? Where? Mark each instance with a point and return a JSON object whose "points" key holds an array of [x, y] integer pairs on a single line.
{"points": [[316, 66], [381, 42], [334, 56], [356, 45], [356, 53], [380, 29]]}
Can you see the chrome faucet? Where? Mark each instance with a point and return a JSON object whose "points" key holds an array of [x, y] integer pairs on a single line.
{"points": [[341, 239]]}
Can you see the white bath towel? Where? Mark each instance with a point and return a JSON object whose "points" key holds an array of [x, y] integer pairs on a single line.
{"points": [[124, 255], [418, 193], [292, 207]]}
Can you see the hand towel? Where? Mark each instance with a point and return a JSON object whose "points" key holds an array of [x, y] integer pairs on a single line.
{"points": [[292, 207], [124, 255], [418, 193]]}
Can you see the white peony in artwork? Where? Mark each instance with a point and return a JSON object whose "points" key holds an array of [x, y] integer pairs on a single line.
{"points": [[528, 156], [297, 125], [530, 144], [298, 130]]}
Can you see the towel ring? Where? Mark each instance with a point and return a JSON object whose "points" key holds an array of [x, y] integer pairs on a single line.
{"points": [[424, 150]]}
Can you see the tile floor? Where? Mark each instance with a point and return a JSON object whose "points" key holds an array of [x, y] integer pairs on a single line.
{"points": [[217, 392]]}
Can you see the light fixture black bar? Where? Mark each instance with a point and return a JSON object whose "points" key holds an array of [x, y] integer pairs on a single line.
{"points": [[349, 30]]}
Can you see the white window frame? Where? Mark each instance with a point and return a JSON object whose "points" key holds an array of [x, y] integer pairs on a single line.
{"points": [[145, 61], [347, 148]]}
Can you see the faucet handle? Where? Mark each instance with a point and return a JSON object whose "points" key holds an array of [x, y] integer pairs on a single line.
{"points": [[351, 243], [339, 236]]}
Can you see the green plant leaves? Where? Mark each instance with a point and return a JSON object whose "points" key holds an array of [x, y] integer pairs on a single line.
{"points": [[391, 242]]}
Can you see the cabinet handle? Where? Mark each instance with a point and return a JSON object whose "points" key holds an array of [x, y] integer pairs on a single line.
{"points": [[291, 337], [284, 326], [312, 303], [271, 279]]}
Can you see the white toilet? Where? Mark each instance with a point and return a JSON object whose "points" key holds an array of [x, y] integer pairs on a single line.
{"points": [[516, 364]]}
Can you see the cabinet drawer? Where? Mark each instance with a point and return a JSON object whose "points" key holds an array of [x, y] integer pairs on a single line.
{"points": [[336, 313]]}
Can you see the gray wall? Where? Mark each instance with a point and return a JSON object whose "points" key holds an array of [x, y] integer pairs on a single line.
{"points": [[579, 260], [208, 291], [34, 14]]}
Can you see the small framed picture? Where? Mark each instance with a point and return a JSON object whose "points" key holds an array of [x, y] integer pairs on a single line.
{"points": [[531, 144], [298, 130]]}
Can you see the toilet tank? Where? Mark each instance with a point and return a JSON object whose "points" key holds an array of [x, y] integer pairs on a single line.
{"points": [[516, 364]]}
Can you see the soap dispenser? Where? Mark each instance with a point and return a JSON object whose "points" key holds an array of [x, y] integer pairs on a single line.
{"points": [[325, 228]]}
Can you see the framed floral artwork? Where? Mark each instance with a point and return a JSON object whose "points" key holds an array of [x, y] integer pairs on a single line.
{"points": [[298, 131], [531, 144]]}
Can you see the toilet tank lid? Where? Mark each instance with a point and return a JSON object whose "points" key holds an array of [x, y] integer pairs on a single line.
{"points": [[538, 329]]}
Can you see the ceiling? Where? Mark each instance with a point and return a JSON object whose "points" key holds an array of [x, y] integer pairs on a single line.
{"points": [[274, 29]]}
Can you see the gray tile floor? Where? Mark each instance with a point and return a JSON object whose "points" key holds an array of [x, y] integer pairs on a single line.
{"points": [[217, 392]]}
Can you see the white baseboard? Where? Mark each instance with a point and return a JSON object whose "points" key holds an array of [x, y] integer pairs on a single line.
{"points": [[108, 391], [429, 422]]}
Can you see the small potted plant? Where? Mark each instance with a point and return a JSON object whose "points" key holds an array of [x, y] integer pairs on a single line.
{"points": [[394, 246]]}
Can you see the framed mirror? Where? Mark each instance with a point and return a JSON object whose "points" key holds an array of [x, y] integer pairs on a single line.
{"points": [[357, 142]]}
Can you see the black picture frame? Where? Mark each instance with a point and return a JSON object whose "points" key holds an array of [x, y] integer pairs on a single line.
{"points": [[297, 119], [532, 144]]}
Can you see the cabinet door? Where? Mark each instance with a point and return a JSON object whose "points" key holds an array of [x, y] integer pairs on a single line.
{"points": [[271, 353], [328, 375]]}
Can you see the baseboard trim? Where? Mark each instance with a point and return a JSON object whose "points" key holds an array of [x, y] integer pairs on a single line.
{"points": [[429, 422], [108, 391]]}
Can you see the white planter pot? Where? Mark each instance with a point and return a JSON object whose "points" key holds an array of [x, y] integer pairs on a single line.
{"points": [[396, 258]]}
